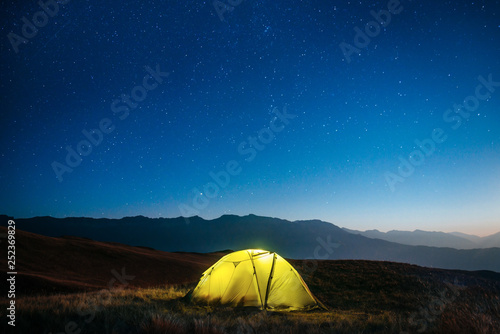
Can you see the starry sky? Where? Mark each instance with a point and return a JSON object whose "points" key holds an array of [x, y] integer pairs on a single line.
{"points": [[289, 109]]}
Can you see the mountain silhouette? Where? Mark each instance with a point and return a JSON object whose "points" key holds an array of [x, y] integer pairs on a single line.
{"points": [[311, 239], [434, 239]]}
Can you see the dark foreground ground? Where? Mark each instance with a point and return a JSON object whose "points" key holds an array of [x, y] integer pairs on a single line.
{"points": [[74, 285]]}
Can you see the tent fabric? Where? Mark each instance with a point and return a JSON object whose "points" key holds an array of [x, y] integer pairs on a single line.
{"points": [[254, 277]]}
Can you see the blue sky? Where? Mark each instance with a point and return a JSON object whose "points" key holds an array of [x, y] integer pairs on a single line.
{"points": [[354, 115]]}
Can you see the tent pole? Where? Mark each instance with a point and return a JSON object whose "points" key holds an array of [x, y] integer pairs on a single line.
{"points": [[255, 274], [269, 280]]}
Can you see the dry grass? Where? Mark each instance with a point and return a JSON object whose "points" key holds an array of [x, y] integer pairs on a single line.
{"points": [[362, 296], [164, 310]]}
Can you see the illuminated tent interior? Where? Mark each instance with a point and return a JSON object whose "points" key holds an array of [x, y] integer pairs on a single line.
{"points": [[254, 277]]}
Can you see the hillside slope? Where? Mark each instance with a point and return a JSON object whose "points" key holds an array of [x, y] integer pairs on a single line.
{"points": [[68, 264]]}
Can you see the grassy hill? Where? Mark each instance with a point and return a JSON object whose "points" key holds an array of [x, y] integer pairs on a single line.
{"points": [[65, 287], [71, 264]]}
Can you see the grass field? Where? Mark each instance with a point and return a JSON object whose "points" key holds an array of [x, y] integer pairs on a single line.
{"points": [[63, 286], [361, 296], [162, 310]]}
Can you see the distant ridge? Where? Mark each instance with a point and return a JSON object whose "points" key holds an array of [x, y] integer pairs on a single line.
{"points": [[298, 239], [434, 239]]}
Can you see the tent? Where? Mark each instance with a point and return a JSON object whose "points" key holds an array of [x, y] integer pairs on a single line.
{"points": [[254, 277]]}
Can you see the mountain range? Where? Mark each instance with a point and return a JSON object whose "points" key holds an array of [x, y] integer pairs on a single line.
{"points": [[434, 239], [312, 239]]}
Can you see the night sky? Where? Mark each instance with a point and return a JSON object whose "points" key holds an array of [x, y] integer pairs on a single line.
{"points": [[128, 108]]}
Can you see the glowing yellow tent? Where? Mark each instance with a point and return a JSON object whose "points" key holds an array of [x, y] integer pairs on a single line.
{"points": [[254, 277]]}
